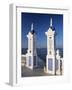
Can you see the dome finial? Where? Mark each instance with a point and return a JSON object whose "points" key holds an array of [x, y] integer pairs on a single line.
{"points": [[32, 27], [50, 22]]}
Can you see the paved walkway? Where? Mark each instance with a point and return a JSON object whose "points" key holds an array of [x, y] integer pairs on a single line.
{"points": [[26, 72]]}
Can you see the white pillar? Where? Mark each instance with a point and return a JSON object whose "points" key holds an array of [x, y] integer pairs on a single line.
{"points": [[58, 71], [62, 66]]}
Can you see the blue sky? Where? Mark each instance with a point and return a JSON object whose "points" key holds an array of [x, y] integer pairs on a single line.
{"points": [[41, 24]]}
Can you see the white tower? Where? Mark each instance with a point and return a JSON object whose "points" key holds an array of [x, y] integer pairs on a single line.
{"points": [[50, 58], [31, 53]]}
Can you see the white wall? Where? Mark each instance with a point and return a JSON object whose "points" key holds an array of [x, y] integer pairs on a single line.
{"points": [[4, 43]]}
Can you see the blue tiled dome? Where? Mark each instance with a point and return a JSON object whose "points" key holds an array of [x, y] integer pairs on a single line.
{"points": [[33, 31]]}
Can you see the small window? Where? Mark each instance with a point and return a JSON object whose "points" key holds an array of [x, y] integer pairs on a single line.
{"points": [[50, 37], [49, 52], [34, 60], [30, 51], [50, 64], [29, 60]]}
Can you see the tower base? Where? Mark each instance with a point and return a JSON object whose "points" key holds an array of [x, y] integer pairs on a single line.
{"points": [[50, 65]]}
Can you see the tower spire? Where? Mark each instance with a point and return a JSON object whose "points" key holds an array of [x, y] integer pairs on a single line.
{"points": [[32, 27], [50, 22]]}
